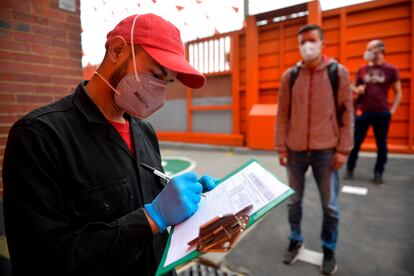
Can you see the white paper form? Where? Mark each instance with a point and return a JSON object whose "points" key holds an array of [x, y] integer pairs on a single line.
{"points": [[252, 185]]}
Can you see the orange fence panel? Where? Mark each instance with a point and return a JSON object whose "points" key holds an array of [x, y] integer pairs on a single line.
{"points": [[262, 51]]}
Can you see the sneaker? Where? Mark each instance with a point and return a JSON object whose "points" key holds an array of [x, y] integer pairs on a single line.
{"points": [[378, 180], [329, 266], [292, 253], [349, 175]]}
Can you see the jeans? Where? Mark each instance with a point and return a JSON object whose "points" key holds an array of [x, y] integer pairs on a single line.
{"points": [[327, 181], [380, 122]]}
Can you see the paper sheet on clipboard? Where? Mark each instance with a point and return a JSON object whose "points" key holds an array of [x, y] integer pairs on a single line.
{"points": [[249, 184]]}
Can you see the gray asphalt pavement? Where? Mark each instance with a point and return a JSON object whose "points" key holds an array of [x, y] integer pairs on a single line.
{"points": [[376, 235]]}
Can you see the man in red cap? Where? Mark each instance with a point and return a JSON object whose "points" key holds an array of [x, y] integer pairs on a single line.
{"points": [[76, 201]]}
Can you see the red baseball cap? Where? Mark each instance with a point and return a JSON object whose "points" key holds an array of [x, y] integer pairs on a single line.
{"points": [[162, 41]]}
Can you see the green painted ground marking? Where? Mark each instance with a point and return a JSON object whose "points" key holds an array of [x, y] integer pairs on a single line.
{"points": [[4, 251], [177, 165]]}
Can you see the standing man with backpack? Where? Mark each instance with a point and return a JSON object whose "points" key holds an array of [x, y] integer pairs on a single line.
{"points": [[314, 129], [372, 108]]}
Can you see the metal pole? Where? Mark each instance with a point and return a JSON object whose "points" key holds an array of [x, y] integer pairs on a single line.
{"points": [[246, 9]]}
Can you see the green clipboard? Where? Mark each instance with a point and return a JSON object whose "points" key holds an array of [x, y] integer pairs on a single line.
{"points": [[253, 219]]}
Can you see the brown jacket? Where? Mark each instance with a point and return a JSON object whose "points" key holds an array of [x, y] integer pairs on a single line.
{"points": [[312, 124]]}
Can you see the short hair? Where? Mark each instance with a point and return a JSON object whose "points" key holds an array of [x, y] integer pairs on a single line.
{"points": [[380, 45], [135, 47], [311, 27]]}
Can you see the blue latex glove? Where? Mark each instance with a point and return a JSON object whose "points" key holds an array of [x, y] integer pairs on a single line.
{"points": [[176, 202], [208, 182]]}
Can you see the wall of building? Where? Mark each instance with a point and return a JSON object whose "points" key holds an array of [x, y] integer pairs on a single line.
{"points": [[173, 116], [347, 32], [40, 58]]}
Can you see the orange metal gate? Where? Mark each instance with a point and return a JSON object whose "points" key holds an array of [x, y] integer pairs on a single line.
{"points": [[347, 31], [268, 45]]}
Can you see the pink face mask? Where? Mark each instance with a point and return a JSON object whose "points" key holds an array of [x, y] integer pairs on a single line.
{"points": [[140, 97], [139, 94]]}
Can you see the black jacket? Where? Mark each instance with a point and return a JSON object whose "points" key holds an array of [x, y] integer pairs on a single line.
{"points": [[73, 193]]}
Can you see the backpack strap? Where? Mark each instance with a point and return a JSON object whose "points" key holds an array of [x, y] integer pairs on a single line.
{"points": [[294, 74], [333, 79]]}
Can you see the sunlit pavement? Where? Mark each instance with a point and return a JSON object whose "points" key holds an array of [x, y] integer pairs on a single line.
{"points": [[376, 234]]}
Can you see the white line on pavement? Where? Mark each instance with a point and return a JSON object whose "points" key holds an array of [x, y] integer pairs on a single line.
{"points": [[354, 190], [390, 155], [310, 256]]}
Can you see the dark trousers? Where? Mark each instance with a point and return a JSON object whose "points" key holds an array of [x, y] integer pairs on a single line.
{"points": [[327, 181], [380, 122]]}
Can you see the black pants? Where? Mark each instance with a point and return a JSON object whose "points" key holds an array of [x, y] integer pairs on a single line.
{"points": [[5, 266], [380, 122]]}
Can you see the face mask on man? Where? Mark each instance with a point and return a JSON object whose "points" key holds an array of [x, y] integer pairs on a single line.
{"points": [[369, 55], [310, 50], [139, 94]]}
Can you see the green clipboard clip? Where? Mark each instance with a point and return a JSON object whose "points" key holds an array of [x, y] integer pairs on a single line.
{"points": [[220, 234]]}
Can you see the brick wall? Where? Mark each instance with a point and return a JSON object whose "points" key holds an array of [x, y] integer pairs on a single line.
{"points": [[40, 58]]}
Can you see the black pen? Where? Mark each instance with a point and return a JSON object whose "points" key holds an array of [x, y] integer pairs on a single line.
{"points": [[158, 173], [155, 171]]}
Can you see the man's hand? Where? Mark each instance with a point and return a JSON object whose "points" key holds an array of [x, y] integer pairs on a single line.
{"points": [[153, 225], [208, 182], [176, 202], [338, 160], [360, 89], [357, 91], [283, 158], [397, 97]]}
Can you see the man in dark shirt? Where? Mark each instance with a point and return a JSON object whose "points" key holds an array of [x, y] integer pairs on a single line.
{"points": [[372, 109], [76, 201]]}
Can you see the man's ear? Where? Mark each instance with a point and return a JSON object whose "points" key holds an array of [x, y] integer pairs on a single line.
{"points": [[117, 49]]}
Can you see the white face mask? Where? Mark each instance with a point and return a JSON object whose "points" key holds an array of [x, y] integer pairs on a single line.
{"points": [[310, 50], [369, 55], [139, 94]]}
